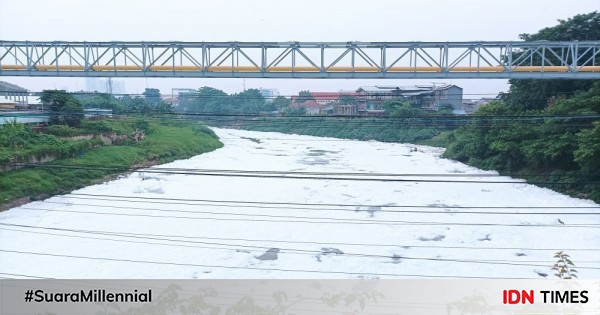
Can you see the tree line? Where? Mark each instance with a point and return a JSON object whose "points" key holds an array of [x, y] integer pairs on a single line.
{"points": [[559, 150]]}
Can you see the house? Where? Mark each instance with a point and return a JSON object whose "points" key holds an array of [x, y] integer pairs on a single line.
{"points": [[311, 106], [372, 98], [327, 103], [368, 101], [435, 97], [426, 97]]}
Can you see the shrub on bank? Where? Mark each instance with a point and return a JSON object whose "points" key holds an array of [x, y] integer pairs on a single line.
{"points": [[164, 144]]}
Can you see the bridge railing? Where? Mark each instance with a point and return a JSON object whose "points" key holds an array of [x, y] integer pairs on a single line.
{"points": [[538, 59]]}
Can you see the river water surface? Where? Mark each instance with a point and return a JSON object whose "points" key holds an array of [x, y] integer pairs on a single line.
{"points": [[200, 224]]}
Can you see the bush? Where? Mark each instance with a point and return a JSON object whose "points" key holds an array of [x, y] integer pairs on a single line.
{"points": [[62, 131]]}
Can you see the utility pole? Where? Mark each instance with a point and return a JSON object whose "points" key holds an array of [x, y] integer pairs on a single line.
{"points": [[109, 85]]}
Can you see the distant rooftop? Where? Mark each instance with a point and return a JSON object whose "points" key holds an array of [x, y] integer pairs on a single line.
{"points": [[404, 89], [9, 87]]}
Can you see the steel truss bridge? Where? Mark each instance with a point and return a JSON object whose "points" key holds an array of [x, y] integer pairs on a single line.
{"points": [[343, 60]]}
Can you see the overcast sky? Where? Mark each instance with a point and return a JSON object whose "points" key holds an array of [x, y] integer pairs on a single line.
{"points": [[277, 20]]}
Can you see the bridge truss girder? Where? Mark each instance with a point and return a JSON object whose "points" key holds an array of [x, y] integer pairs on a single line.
{"points": [[374, 60]]}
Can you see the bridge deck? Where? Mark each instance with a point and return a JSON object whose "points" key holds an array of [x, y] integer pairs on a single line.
{"points": [[579, 60]]}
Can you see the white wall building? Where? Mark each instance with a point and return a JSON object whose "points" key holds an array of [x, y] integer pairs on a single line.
{"points": [[269, 94], [105, 85]]}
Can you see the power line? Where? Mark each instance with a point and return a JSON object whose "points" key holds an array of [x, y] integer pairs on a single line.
{"points": [[177, 200], [363, 209], [367, 174], [21, 275], [311, 220], [240, 267], [337, 123], [191, 239], [295, 174], [237, 96], [267, 176], [296, 251], [353, 118]]}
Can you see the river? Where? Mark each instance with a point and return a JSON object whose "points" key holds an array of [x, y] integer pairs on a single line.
{"points": [[349, 216]]}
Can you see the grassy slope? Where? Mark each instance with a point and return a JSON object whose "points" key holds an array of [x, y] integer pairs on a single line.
{"points": [[165, 144]]}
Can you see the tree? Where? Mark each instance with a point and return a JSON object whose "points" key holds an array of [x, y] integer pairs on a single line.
{"points": [[568, 148], [580, 27], [209, 100], [446, 109], [163, 107], [298, 111], [100, 100], [533, 94], [152, 96], [346, 99], [587, 154], [304, 96], [397, 108], [64, 108], [249, 102], [186, 100], [281, 102]]}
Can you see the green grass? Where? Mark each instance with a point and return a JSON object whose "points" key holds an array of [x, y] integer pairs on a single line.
{"points": [[19, 142], [166, 143]]}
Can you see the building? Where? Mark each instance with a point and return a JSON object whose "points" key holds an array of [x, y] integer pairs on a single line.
{"points": [[108, 85], [426, 97], [328, 103], [369, 101], [7, 104], [345, 110], [269, 94], [118, 86], [373, 97], [328, 97], [12, 96], [471, 106], [311, 106]]}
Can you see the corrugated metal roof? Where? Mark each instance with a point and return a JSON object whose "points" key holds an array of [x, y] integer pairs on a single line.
{"points": [[410, 88], [5, 86]]}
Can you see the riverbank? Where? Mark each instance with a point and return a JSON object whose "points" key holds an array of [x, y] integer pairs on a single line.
{"points": [[379, 129], [165, 142]]}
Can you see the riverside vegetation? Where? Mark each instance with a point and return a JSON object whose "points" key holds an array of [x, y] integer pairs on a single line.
{"points": [[564, 150], [84, 162]]}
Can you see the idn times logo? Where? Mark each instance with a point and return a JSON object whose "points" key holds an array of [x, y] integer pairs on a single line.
{"points": [[547, 297]]}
